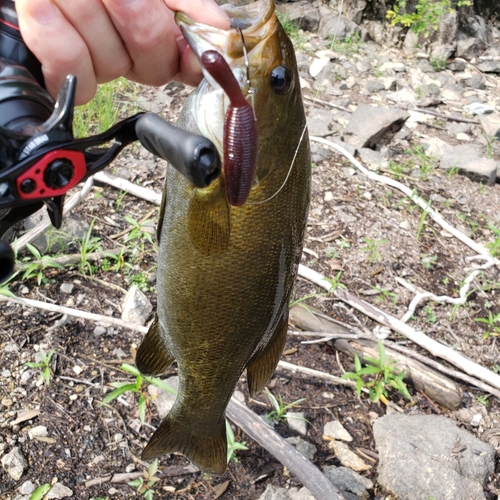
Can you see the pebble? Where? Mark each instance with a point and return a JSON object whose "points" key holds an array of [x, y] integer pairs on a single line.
{"points": [[336, 430], [328, 196], [99, 330], [27, 488], [348, 458], [405, 225], [14, 464], [307, 449], [296, 421], [59, 491], [38, 431], [67, 288], [77, 369]]}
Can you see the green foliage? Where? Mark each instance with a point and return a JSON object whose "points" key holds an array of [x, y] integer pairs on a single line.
{"points": [[292, 29], [43, 365], [280, 408], [431, 317], [232, 445], [428, 261], [491, 321], [377, 376], [385, 295], [5, 286], [426, 16], [351, 44], [88, 244], [335, 282], [40, 492], [397, 169], [372, 249], [421, 221], [483, 400], [136, 387], [139, 232], [494, 247], [438, 63], [144, 484], [343, 244], [36, 269]]}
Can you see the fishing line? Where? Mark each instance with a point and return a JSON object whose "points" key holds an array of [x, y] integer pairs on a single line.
{"points": [[250, 90], [304, 130]]}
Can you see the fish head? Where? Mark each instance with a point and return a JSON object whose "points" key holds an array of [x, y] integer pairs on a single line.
{"points": [[262, 59]]}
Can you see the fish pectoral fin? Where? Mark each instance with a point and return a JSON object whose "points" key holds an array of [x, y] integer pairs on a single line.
{"points": [[207, 450], [262, 365], [208, 220], [153, 357]]}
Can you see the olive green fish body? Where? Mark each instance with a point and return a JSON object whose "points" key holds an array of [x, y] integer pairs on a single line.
{"points": [[226, 274]]}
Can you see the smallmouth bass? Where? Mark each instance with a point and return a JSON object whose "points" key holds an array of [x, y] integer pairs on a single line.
{"points": [[226, 269]]}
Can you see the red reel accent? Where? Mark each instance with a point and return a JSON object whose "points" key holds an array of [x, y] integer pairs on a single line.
{"points": [[37, 171]]}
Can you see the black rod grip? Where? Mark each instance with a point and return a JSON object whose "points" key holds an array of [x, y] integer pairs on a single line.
{"points": [[193, 155], [7, 261]]}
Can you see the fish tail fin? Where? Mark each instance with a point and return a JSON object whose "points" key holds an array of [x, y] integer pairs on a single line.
{"points": [[262, 365], [153, 357], [207, 450]]}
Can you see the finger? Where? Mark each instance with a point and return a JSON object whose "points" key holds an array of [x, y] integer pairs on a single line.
{"points": [[201, 11], [148, 31], [107, 51], [57, 45]]}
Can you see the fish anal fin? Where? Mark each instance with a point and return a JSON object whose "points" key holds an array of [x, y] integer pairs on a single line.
{"points": [[153, 357], [208, 220], [262, 365], [207, 450]]}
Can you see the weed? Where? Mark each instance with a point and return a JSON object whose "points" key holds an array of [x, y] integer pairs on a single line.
{"points": [[489, 145], [397, 169], [139, 232], [491, 321], [453, 171], [88, 244], [144, 484], [43, 365], [144, 397], [385, 295], [431, 317], [280, 408], [335, 282], [438, 63], [232, 445], [496, 368], [494, 247], [483, 399], [5, 286], [372, 249], [428, 261], [40, 492], [119, 200], [350, 45], [32, 269], [421, 221], [343, 244], [382, 375], [331, 253]]}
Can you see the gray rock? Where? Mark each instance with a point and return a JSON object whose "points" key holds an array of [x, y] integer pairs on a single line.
{"points": [[297, 422], [435, 457], [99, 330], [336, 430], [469, 162], [27, 488], [300, 494], [38, 431], [374, 86], [336, 26], [165, 400], [491, 124], [370, 125], [424, 65], [136, 307], [319, 122], [347, 457], [347, 480], [458, 64], [468, 48], [67, 288], [74, 227], [274, 493], [353, 10], [372, 159], [436, 147], [319, 152], [476, 82], [14, 464], [59, 491], [307, 16], [305, 447], [489, 66], [376, 31]]}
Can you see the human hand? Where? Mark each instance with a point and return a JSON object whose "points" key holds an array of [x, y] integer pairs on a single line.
{"points": [[100, 40]]}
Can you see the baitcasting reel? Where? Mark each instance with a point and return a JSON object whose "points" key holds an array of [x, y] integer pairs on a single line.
{"points": [[40, 160]]}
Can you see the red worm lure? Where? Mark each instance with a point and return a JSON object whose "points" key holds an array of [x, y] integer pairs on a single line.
{"points": [[240, 132]]}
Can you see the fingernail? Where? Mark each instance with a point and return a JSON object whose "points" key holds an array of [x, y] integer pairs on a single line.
{"points": [[42, 11], [213, 7], [125, 2]]}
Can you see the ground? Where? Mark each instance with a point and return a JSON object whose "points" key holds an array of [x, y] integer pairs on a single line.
{"points": [[368, 232]]}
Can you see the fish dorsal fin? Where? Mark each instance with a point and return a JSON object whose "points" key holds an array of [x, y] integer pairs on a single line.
{"points": [[262, 365], [207, 450], [153, 357], [208, 219]]}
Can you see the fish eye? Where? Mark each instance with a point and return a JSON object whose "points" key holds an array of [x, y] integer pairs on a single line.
{"points": [[281, 80]]}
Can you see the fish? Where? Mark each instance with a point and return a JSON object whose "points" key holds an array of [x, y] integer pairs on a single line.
{"points": [[228, 257]]}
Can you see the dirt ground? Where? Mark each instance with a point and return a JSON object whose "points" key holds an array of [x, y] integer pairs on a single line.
{"points": [[364, 230]]}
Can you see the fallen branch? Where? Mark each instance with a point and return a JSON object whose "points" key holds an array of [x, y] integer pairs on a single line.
{"points": [[76, 313], [480, 249], [45, 223], [124, 185], [442, 115], [306, 472], [314, 100], [437, 349]]}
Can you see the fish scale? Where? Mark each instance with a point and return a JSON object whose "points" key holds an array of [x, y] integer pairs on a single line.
{"points": [[226, 273]]}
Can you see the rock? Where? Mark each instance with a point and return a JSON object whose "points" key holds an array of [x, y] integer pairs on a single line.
{"points": [[74, 227], [348, 458], [370, 125], [475, 82], [372, 159], [348, 147], [336, 430], [347, 480], [38, 431], [436, 147], [297, 422], [14, 464], [319, 152], [424, 65], [468, 47], [136, 307], [435, 457], [491, 124], [336, 26], [307, 449], [27, 488], [469, 162], [489, 66], [300, 494], [319, 122], [318, 65], [353, 10], [67, 288], [374, 86], [273, 493], [307, 16], [99, 330], [165, 400], [59, 491]]}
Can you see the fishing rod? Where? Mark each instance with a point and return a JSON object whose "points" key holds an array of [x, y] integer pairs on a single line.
{"points": [[40, 159]]}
